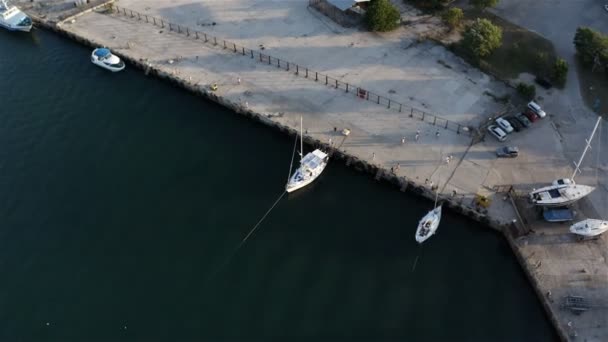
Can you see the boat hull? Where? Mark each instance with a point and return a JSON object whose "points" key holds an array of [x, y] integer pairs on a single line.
{"points": [[589, 227], [560, 195], [293, 186], [16, 28], [107, 67]]}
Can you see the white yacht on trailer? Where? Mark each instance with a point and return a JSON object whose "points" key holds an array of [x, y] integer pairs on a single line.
{"points": [[563, 192], [11, 18], [104, 58], [311, 166], [589, 227]]}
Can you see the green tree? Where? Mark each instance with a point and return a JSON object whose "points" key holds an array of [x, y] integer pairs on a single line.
{"points": [[482, 37], [591, 46], [452, 17], [528, 91], [560, 71], [382, 16], [483, 4]]}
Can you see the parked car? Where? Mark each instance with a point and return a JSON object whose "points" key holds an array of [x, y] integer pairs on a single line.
{"points": [[514, 123], [507, 152], [543, 82], [523, 119], [536, 109], [497, 132], [504, 125], [531, 115]]}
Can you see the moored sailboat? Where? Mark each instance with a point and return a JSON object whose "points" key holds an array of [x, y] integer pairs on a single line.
{"points": [[311, 167], [428, 225]]}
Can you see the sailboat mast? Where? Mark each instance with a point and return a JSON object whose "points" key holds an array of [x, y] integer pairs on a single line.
{"points": [[301, 139], [587, 146]]}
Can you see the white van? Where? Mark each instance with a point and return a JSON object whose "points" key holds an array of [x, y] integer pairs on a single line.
{"points": [[536, 109]]}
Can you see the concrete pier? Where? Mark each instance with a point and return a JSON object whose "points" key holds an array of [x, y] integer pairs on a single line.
{"points": [[397, 67]]}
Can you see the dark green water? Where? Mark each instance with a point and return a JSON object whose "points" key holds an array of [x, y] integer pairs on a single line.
{"points": [[121, 197]]}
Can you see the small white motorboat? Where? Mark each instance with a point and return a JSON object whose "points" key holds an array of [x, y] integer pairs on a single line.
{"points": [[589, 227], [428, 225], [11, 18], [104, 58], [311, 167]]}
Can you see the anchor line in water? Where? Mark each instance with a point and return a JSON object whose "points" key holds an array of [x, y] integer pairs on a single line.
{"points": [[236, 250], [417, 257]]}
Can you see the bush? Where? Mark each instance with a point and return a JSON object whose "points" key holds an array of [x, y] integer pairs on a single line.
{"points": [[452, 17], [382, 16], [560, 71], [528, 91], [591, 46], [481, 38], [483, 4]]}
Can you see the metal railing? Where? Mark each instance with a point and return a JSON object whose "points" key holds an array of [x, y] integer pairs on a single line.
{"points": [[297, 69]]}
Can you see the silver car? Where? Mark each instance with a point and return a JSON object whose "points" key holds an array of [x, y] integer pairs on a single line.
{"points": [[497, 132], [507, 152]]}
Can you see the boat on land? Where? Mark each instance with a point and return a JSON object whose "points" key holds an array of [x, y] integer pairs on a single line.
{"points": [[589, 228], [428, 225], [311, 167], [104, 58], [558, 214], [13, 19], [564, 192]]}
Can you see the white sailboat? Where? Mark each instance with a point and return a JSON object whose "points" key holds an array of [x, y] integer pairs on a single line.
{"points": [[428, 225], [589, 227], [13, 19], [311, 167], [430, 222], [563, 192]]}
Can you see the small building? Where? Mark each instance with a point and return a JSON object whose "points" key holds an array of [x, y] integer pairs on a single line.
{"points": [[347, 13], [352, 5]]}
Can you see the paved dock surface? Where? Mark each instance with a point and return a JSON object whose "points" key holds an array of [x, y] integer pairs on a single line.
{"points": [[397, 66]]}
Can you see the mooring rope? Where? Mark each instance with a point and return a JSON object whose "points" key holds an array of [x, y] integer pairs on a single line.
{"points": [[417, 257], [236, 250]]}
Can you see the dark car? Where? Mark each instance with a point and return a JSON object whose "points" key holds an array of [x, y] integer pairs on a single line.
{"points": [[531, 115], [543, 82], [507, 152], [523, 119], [517, 126]]}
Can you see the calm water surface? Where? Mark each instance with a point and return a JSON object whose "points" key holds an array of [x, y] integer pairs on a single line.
{"points": [[121, 197]]}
